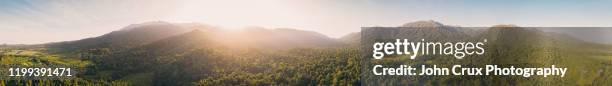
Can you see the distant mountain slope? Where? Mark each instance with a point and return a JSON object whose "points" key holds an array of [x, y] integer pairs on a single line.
{"points": [[351, 38], [137, 35], [155, 52], [428, 30], [128, 37]]}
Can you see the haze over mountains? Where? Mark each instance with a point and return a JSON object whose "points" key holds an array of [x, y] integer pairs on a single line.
{"points": [[136, 35], [151, 32]]}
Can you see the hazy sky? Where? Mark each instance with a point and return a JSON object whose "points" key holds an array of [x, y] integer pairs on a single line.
{"points": [[41, 21]]}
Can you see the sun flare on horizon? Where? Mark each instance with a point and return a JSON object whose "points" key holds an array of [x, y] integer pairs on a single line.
{"points": [[54, 21]]}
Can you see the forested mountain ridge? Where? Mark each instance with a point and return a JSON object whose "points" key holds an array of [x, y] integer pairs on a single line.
{"points": [[507, 45], [195, 52], [137, 35], [131, 36]]}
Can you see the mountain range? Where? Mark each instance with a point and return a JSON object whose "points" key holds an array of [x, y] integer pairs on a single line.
{"points": [[159, 32]]}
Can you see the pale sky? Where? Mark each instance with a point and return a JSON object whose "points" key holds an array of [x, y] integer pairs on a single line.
{"points": [[42, 21]]}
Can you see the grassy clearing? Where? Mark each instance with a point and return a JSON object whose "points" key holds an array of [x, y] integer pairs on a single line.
{"points": [[31, 58]]}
